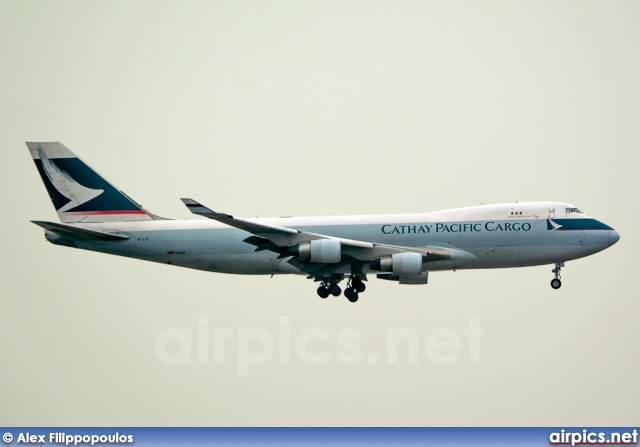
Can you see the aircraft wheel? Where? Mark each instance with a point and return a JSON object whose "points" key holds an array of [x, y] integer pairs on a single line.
{"points": [[556, 283], [348, 292], [323, 292], [335, 290], [359, 286]]}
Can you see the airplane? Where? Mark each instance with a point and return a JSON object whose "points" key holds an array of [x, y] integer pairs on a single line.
{"points": [[405, 248]]}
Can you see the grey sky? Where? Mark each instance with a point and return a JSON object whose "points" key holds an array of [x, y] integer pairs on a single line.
{"points": [[321, 108]]}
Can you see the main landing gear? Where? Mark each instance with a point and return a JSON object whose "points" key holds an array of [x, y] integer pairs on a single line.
{"points": [[329, 289], [555, 282], [355, 286]]}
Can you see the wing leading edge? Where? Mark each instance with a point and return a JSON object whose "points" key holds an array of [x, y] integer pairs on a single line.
{"points": [[286, 241]]}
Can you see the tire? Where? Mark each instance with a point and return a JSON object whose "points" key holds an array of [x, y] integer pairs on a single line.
{"points": [[335, 290], [360, 287], [556, 283], [348, 292], [353, 296], [323, 292]]}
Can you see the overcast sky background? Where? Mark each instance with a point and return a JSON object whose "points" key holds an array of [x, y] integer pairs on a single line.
{"points": [[321, 108]]}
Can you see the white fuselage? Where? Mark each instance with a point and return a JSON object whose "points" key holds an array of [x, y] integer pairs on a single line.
{"points": [[491, 236]]}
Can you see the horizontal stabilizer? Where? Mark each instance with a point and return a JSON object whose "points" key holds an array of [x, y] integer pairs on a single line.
{"points": [[79, 233]]}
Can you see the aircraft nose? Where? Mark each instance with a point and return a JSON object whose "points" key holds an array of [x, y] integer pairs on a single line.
{"points": [[615, 237]]}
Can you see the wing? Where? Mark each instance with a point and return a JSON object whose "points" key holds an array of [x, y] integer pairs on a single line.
{"points": [[280, 236], [299, 245]]}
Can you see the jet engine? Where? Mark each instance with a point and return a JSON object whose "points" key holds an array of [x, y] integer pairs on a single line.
{"points": [[401, 264], [326, 251]]}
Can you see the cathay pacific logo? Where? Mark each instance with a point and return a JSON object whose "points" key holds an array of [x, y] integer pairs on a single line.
{"points": [[456, 227], [65, 184], [551, 225]]}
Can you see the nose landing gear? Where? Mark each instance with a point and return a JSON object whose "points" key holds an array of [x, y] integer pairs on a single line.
{"points": [[555, 282]]}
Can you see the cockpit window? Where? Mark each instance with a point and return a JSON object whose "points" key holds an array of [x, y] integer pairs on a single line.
{"points": [[573, 210]]}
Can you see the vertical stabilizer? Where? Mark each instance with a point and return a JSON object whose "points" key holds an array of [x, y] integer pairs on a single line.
{"points": [[78, 193]]}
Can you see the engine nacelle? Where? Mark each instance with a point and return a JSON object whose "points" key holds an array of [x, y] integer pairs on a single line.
{"points": [[401, 264], [326, 251]]}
